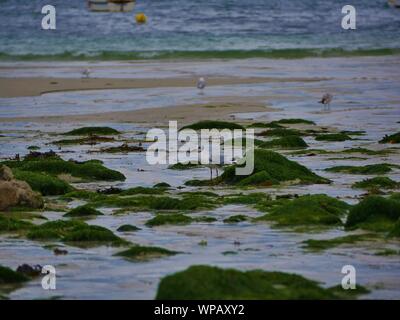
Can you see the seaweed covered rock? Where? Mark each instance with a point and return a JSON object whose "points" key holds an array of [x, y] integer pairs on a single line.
{"points": [[138, 253], [128, 228], [91, 170], [175, 219], [374, 213], [9, 224], [308, 210], [16, 193], [213, 283], [393, 138], [92, 131], [83, 211], [8, 276], [380, 168], [376, 182], [74, 232], [279, 132], [271, 168], [213, 124], [287, 142], [333, 137]]}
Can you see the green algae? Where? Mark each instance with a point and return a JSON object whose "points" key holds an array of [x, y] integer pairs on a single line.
{"points": [[128, 228], [184, 166], [213, 283], [308, 210], [251, 198], [287, 142], [377, 182], [83, 211], [393, 138], [123, 148], [176, 219], [8, 276], [91, 170], [142, 190], [162, 185], [380, 168], [212, 124], [354, 132], [33, 148], [374, 213], [236, 219], [10, 224], [271, 168], [46, 184], [387, 252], [332, 137], [144, 253], [319, 245], [92, 131], [74, 231], [279, 132]]}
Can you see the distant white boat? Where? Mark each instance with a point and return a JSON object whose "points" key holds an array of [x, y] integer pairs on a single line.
{"points": [[121, 5], [394, 3], [98, 5]]}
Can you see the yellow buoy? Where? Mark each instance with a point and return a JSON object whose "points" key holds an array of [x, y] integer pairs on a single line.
{"points": [[141, 18]]}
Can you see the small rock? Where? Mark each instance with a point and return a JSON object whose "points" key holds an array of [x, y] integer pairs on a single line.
{"points": [[30, 271], [60, 252]]}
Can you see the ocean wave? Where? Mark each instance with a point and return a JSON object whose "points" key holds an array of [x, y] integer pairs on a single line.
{"points": [[213, 54]]}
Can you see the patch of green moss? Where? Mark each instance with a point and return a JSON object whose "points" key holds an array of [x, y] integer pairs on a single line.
{"points": [[393, 138], [89, 170], [377, 182], [271, 168], [92, 131], [332, 137], [140, 253], [308, 210], [213, 124], [83, 211], [162, 185], [236, 219], [279, 132], [343, 294], [287, 142], [10, 224], [213, 283], [175, 219], [74, 231], [33, 148], [187, 203], [123, 148], [367, 151], [395, 231], [318, 245], [46, 184], [354, 132], [142, 190], [128, 228], [184, 166], [374, 213], [380, 168], [8, 276], [83, 195]]}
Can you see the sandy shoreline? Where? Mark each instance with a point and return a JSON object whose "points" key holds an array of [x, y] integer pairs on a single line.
{"points": [[25, 87]]}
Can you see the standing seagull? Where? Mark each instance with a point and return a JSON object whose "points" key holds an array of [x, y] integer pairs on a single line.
{"points": [[86, 73], [201, 84], [326, 100]]}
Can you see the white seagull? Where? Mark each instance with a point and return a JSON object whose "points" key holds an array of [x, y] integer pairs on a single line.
{"points": [[86, 72], [326, 100], [201, 83]]}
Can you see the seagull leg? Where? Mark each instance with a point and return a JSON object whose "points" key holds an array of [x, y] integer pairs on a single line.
{"points": [[216, 169], [211, 173]]}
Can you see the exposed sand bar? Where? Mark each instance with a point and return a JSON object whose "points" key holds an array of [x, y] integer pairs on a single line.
{"points": [[184, 114], [26, 87]]}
